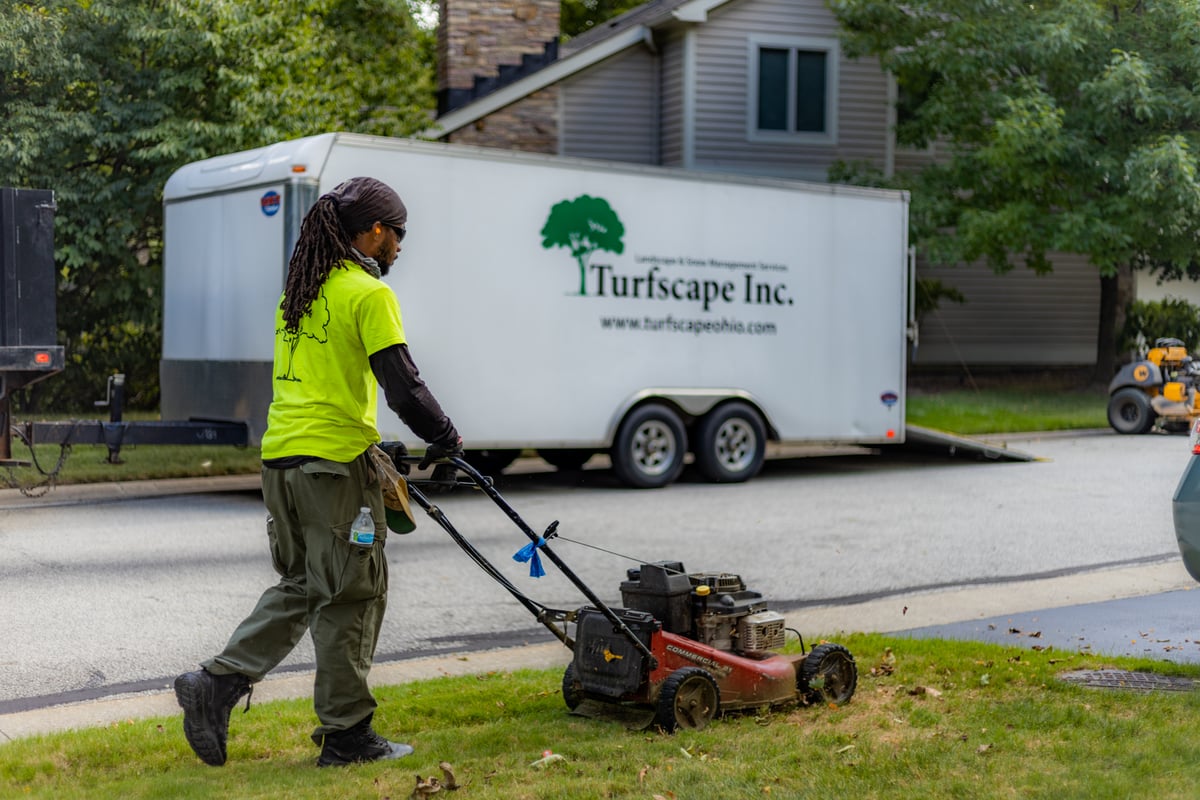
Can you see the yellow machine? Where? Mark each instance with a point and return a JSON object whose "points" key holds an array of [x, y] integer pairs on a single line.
{"points": [[1160, 388]]}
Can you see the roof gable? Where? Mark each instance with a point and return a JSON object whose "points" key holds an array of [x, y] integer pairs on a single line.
{"points": [[634, 27]]}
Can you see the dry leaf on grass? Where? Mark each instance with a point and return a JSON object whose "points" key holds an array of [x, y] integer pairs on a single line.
{"points": [[427, 787]]}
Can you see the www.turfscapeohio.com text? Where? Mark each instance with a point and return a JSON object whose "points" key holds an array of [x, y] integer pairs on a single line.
{"points": [[670, 324]]}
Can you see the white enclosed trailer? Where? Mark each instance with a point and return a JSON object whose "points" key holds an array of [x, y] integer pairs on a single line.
{"points": [[567, 306]]}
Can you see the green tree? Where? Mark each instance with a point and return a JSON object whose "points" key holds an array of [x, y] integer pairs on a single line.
{"points": [[580, 16], [583, 226], [1066, 125], [104, 99], [1147, 321]]}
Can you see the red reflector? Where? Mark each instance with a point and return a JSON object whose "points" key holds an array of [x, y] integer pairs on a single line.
{"points": [[1196, 450], [891, 434], [41, 358]]}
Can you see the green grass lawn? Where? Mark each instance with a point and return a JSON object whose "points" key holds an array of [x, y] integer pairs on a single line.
{"points": [[970, 412], [945, 720]]}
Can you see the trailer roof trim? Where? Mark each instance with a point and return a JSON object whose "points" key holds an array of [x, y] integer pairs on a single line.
{"points": [[272, 164]]}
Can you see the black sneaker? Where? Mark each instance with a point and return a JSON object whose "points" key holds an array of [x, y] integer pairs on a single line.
{"points": [[357, 745], [207, 700]]}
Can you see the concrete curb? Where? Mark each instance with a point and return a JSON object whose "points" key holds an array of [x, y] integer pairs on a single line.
{"points": [[76, 493]]}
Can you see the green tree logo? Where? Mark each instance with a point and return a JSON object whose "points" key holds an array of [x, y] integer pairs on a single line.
{"points": [[321, 336], [583, 226]]}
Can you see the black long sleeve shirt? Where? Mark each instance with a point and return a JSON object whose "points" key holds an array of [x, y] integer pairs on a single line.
{"points": [[410, 398]]}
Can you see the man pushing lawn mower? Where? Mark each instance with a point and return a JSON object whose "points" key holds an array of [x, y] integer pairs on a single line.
{"points": [[338, 332]]}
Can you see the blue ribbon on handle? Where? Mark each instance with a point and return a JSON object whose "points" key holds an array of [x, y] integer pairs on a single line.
{"points": [[529, 553]]}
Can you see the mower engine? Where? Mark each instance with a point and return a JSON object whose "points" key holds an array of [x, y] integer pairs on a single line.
{"points": [[713, 608]]}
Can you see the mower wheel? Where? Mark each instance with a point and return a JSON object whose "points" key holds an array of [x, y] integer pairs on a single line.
{"points": [[731, 443], [827, 675], [689, 698], [572, 690], [649, 447], [1129, 411]]}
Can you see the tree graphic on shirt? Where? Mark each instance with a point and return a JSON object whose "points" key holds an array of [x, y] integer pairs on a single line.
{"points": [[316, 318]]}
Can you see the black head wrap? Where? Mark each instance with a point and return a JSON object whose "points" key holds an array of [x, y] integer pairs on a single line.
{"points": [[363, 201]]}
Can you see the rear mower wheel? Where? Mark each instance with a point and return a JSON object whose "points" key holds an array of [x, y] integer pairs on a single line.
{"points": [[689, 698], [827, 675], [1129, 411], [572, 689]]}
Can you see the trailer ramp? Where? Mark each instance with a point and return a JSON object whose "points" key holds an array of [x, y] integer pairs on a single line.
{"points": [[928, 440]]}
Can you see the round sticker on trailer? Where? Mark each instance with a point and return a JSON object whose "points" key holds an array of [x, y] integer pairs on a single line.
{"points": [[270, 203], [889, 399]]}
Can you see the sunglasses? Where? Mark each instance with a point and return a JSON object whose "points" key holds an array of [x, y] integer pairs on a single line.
{"points": [[399, 233]]}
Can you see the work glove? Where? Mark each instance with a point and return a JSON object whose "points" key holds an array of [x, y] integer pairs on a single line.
{"points": [[397, 452], [436, 452]]}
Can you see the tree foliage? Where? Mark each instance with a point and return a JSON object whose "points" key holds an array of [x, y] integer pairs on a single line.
{"points": [[1148, 321], [1067, 126], [104, 99], [580, 16]]}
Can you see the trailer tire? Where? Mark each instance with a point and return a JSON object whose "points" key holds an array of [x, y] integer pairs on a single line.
{"points": [[572, 689], [649, 448], [1129, 411], [689, 699], [731, 443], [827, 675]]}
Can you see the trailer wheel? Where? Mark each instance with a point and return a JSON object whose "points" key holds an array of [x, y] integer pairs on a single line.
{"points": [[731, 443], [572, 689], [1129, 411], [827, 675], [649, 448], [689, 698], [566, 459]]}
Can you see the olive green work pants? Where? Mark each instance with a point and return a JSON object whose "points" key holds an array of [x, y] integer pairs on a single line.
{"points": [[334, 589]]}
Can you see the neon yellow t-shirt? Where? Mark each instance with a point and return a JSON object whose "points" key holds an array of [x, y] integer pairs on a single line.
{"points": [[324, 391]]}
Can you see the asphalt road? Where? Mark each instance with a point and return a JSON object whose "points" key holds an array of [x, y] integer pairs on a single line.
{"points": [[107, 597]]}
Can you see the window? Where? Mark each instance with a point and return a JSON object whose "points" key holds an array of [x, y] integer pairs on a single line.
{"points": [[793, 84]]}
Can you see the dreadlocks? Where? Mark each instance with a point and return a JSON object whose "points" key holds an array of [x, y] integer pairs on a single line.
{"points": [[327, 236], [323, 245]]}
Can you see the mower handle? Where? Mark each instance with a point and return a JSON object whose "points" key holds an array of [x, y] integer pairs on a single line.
{"points": [[485, 484]]}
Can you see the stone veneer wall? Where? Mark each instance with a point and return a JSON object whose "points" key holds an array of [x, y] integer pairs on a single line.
{"points": [[530, 124], [474, 38]]}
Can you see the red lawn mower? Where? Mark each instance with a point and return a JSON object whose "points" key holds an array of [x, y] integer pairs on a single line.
{"points": [[686, 646]]}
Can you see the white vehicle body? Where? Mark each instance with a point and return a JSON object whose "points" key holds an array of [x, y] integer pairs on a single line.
{"points": [[789, 299]]}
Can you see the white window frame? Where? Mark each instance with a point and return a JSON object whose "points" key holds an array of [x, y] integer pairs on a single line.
{"points": [[793, 43]]}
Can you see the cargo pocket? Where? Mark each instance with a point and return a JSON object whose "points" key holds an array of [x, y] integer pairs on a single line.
{"points": [[355, 573], [273, 547]]}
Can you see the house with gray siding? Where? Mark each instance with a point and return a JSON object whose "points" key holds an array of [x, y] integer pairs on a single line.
{"points": [[758, 87]]}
